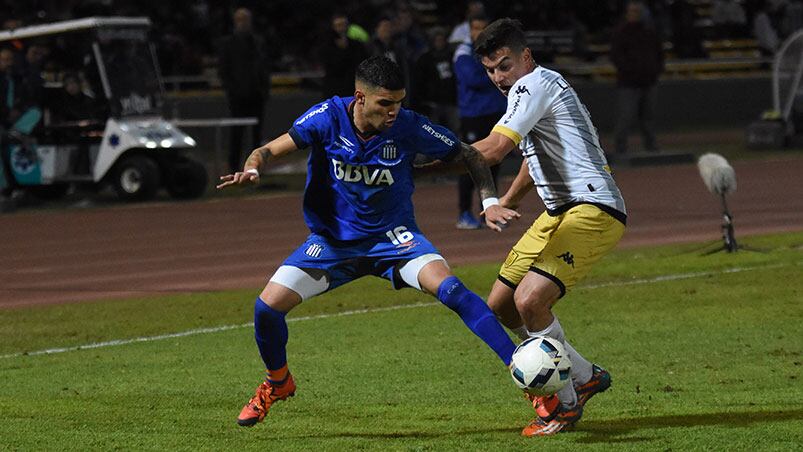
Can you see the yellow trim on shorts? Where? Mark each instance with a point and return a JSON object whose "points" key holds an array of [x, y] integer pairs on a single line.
{"points": [[510, 133]]}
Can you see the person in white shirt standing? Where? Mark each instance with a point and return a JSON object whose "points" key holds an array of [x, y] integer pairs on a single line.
{"points": [[585, 214]]}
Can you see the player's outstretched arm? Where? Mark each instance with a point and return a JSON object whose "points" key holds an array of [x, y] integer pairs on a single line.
{"points": [[257, 160], [494, 147], [521, 185], [496, 216]]}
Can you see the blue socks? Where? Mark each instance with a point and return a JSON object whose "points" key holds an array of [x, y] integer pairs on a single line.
{"points": [[477, 316], [270, 330]]}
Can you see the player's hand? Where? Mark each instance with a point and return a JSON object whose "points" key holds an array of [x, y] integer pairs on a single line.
{"points": [[497, 217], [507, 202], [238, 178]]}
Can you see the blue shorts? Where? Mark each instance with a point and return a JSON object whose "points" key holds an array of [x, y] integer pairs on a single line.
{"points": [[346, 261]]}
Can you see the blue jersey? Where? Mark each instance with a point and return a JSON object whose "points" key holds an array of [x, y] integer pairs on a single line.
{"points": [[359, 189]]}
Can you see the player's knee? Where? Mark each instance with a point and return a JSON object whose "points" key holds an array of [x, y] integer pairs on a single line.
{"points": [[536, 300], [279, 298]]}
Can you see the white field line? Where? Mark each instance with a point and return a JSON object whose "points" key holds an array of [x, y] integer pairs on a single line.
{"points": [[114, 343]]}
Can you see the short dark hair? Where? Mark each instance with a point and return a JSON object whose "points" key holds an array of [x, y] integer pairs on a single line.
{"points": [[380, 72], [500, 33]]}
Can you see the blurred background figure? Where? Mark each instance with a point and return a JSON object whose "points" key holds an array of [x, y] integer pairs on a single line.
{"points": [[245, 75], [340, 56], [385, 43], [461, 33], [729, 18], [637, 53], [480, 105], [435, 92], [71, 104]]}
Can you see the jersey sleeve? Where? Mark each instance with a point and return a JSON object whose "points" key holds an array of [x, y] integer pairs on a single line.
{"points": [[527, 103], [309, 127], [433, 140]]}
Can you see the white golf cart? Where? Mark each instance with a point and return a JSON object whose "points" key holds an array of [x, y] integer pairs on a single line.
{"points": [[783, 125], [128, 145]]}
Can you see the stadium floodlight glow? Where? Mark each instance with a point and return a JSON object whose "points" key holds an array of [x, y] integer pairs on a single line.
{"points": [[150, 145], [720, 179], [166, 143], [189, 141]]}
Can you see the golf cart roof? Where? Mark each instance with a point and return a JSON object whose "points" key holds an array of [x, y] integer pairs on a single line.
{"points": [[72, 25]]}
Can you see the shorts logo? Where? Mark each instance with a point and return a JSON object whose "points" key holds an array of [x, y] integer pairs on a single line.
{"points": [[314, 250], [512, 257], [567, 257]]}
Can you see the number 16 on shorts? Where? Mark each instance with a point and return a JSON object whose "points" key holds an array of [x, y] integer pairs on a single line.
{"points": [[399, 235]]}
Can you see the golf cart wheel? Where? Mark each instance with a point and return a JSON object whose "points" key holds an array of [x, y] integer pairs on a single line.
{"points": [[136, 178], [188, 180]]}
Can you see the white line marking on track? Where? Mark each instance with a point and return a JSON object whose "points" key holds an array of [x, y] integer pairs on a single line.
{"points": [[117, 342]]}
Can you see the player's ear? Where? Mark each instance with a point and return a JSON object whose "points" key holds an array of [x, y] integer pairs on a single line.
{"points": [[527, 54], [359, 96]]}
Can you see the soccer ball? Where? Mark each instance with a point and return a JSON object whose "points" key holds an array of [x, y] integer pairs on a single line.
{"points": [[540, 366]]}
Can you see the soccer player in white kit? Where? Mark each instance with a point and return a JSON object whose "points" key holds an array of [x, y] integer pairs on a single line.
{"points": [[585, 216]]}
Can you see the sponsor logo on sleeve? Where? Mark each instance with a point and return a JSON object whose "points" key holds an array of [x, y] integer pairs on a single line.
{"points": [[320, 109], [446, 140]]}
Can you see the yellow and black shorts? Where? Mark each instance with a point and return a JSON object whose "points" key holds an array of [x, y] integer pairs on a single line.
{"points": [[563, 247]]}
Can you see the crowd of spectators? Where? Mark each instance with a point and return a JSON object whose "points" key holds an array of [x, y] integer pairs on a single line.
{"points": [[189, 31]]}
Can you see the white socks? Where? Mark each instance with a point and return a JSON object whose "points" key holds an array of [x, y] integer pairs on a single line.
{"points": [[581, 368]]}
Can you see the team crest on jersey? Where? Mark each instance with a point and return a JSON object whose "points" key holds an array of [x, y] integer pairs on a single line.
{"points": [[314, 250], [389, 151]]}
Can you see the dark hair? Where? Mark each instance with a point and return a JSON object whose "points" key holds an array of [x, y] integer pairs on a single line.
{"points": [[481, 16], [500, 33], [380, 72]]}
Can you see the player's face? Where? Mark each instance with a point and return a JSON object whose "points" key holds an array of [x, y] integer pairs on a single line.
{"points": [[380, 106], [504, 67]]}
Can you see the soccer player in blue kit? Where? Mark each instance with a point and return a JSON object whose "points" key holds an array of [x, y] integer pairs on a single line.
{"points": [[358, 206]]}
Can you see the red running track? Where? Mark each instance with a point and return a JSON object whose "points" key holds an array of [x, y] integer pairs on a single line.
{"points": [[76, 255]]}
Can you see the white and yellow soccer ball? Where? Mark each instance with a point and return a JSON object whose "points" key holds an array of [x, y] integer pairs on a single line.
{"points": [[540, 366]]}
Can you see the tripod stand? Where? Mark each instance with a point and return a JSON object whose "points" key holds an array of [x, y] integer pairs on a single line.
{"points": [[729, 244]]}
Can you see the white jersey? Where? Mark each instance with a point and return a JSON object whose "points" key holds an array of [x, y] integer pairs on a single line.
{"points": [[553, 129]]}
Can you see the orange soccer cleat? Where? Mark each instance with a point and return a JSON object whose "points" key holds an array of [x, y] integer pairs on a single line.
{"points": [[546, 407], [563, 418], [255, 410], [599, 382]]}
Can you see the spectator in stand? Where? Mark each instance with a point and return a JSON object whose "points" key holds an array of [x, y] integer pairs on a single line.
{"points": [[409, 34], [71, 104], [31, 71], [687, 40], [461, 34], [766, 25], [729, 18], [8, 82], [637, 53], [480, 105], [341, 55], [385, 44], [435, 93], [245, 74]]}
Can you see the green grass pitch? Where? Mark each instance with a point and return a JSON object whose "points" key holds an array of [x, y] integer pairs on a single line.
{"points": [[705, 354]]}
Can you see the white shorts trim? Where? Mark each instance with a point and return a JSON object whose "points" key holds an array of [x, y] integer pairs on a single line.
{"points": [[409, 271], [305, 282]]}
